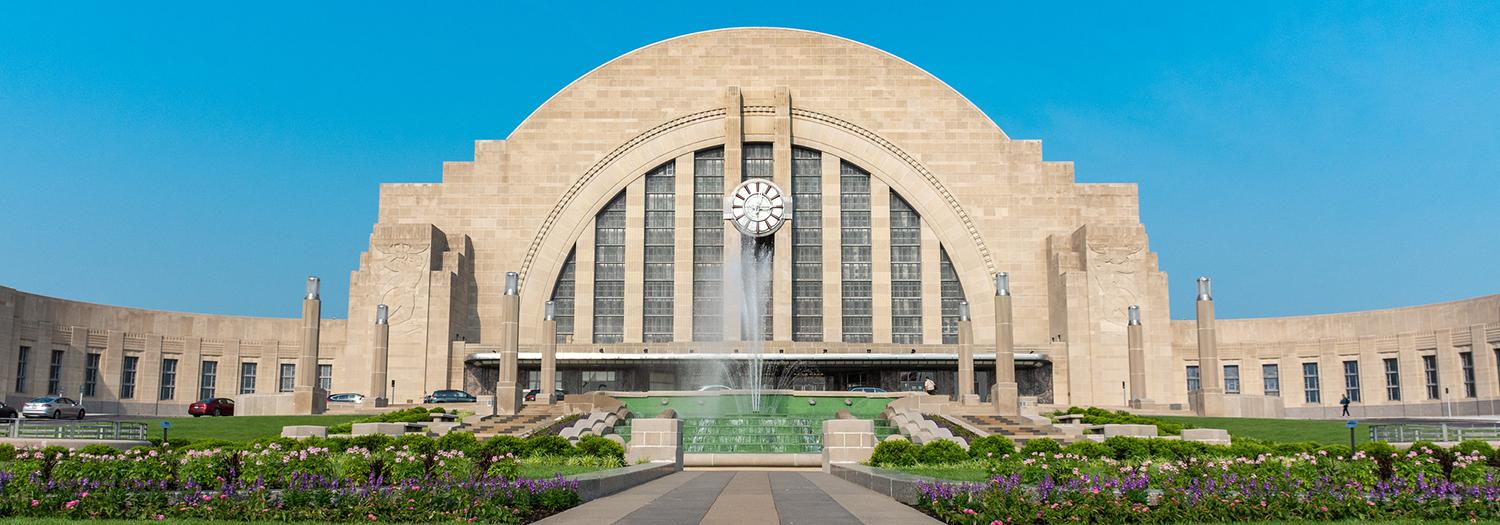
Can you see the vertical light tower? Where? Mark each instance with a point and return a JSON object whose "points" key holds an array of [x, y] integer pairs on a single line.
{"points": [[1005, 395], [965, 393], [1209, 397], [549, 354], [306, 398], [507, 392], [1137, 357], [380, 367]]}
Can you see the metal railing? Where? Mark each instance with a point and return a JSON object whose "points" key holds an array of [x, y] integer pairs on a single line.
{"points": [[1444, 432], [21, 428]]}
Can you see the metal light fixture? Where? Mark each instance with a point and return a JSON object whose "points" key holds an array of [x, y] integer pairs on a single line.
{"points": [[382, 314], [1002, 283], [1205, 289], [1134, 312], [512, 283], [963, 310], [550, 312], [312, 287]]}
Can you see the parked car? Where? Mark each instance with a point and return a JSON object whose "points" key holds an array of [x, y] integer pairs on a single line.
{"points": [[6, 412], [531, 394], [55, 407], [449, 396], [213, 406], [713, 388], [346, 398], [867, 389]]}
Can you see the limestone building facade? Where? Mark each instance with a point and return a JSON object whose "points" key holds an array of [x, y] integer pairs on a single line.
{"points": [[906, 200]]}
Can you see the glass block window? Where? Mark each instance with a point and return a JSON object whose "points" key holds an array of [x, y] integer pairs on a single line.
{"points": [[208, 376], [1392, 380], [1271, 377], [906, 272], [1429, 364], [288, 377], [127, 376], [564, 295], [661, 227], [708, 245], [1351, 380], [90, 374], [807, 245], [854, 219], [1231, 379], [759, 252], [325, 377], [22, 359], [609, 272], [247, 378], [168, 388], [1467, 360], [54, 373], [1311, 392], [952, 295], [1193, 383]]}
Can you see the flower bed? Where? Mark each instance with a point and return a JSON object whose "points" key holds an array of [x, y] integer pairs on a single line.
{"points": [[371, 478]]}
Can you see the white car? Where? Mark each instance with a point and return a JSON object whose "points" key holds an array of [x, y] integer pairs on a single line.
{"points": [[346, 398], [55, 407], [713, 388]]}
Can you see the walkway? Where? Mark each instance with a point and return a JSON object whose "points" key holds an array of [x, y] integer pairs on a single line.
{"points": [[744, 497]]}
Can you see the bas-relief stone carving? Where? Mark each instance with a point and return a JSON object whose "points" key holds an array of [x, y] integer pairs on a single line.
{"points": [[400, 268], [1112, 276]]}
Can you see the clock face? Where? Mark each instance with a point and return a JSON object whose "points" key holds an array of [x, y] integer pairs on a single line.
{"points": [[757, 208]]}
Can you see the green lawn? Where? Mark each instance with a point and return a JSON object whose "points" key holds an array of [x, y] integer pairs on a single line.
{"points": [[238, 428], [1283, 430], [958, 472], [539, 471]]}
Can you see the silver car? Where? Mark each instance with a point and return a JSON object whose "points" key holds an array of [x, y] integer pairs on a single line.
{"points": [[54, 407]]}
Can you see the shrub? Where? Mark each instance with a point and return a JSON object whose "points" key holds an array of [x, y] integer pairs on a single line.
{"points": [[1378, 450], [372, 442], [1087, 448], [7, 452], [1291, 449], [502, 445], [437, 410], [463, 441], [98, 450], [601, 447], [993, 447], [1248, 448], [341, 428], [1473, 447], [548, 445], [1044, 445], [1335, 451], [1124, 447], [894, 453], [941, 451], [418, 443], [211, 444]]}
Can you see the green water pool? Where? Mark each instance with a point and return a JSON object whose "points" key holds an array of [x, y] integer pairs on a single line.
{"points": [[786, 424]]}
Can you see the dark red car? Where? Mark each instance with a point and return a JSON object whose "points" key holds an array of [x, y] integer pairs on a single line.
{"points": [[214, 406]]}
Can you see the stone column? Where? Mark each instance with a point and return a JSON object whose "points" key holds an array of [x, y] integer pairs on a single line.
{"points": [[548, 380], [1210, 383], [507, 391], [965, 393], [1137, 357], [380, 368], [306, 397], [1005, 395]]}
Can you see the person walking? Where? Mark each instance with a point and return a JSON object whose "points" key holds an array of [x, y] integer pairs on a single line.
{"points": [[1345, 401], [929, 386]]}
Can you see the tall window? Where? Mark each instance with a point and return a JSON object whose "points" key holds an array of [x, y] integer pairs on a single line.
{"points": [[609, 272], [1231, 379], [127, 376], [1310, 389], [1351, 380], [1192, 378], [1392, 380], [563, 296], [906, 272], [952, 295], [758, 251], [247, 378], [325, 377], [288, 377], [208, 376], [1429, 363], [854, 214], [168, 380], [1467, 360], [708, 245], [661, 187], [54, 373], [1271, 377], [90, 374], [21, 361], [807, 245]]}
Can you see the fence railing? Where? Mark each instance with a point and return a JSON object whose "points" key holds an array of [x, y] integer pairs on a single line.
{"points": [[1407, 433], [21, 428]]}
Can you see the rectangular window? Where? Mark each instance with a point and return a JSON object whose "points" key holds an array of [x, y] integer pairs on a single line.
{"points": [[609, 272], [21, 361], [325, 377], [288, 377], [1392, 380], [807, 245], [127, 376], [1231, 379], [1312, 393], [854, 215], [1192, 378], [1271, 377], [906, 272], [247, 378], [1429, 364], [168, 380], [708, 245], [90, 374], [1351, 380], [952, 295], [208, 377], [1467, 360], [564, 295], [54, 374], [661, 227]]}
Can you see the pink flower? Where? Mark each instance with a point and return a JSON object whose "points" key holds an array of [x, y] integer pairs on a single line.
{"points": [[970, 512], [70, 504], [160, 517], [371, 516], [84, 495], [35, 503]]}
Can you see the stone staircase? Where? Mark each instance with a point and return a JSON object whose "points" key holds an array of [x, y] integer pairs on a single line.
{"points": [[1018, 429], [532, 417]]}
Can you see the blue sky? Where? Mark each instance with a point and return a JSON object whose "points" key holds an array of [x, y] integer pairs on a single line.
{"points": [[1312, 157]]}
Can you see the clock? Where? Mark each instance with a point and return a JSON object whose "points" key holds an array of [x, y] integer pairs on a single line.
{"points": [[757, 207]]}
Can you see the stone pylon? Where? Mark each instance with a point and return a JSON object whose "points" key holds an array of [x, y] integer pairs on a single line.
{"points": [[307, 398], [1209, 399], [507, 389], [1136, 354], [380, 360], [549, 355], [965, 393], [1005, 395]]}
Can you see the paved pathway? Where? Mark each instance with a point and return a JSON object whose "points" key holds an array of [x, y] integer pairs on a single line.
{"points": [[744, 497]]}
